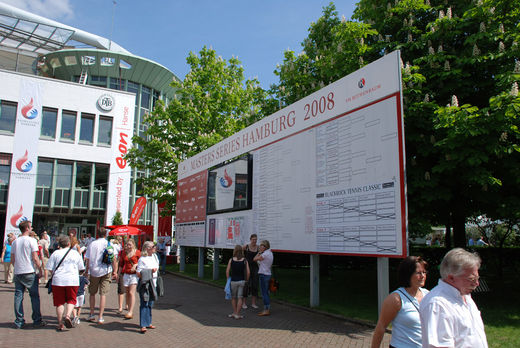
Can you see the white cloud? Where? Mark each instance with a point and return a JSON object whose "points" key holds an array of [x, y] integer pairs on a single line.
{"points": [[54, 9]]}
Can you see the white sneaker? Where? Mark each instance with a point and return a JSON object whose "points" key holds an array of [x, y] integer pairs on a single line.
{"points": [[254, 306], [244, 306]]}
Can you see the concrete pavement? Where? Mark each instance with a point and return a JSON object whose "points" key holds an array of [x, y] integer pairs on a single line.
{"points": [[191, 314]]}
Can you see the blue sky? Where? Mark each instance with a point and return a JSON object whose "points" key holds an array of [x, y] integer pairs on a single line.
{"points": [[165, 31]]}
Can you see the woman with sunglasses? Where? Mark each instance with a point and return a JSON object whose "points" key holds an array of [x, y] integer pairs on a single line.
{"points": [[147, 268]]}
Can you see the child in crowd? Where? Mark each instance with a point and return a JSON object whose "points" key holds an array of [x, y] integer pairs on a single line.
{"points": [[80, 297]]}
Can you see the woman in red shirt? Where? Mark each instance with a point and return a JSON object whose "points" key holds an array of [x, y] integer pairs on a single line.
{"points": [[127, 267]]}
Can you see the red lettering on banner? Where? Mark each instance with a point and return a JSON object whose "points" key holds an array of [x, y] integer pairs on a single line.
{"points": [[120, 161]]}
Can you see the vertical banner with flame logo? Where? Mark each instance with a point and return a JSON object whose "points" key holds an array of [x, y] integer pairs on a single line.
{"points": [[225, 187], [22, 182]]}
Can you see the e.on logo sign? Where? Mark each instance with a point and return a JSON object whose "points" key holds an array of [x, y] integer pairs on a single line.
{"points": [[121, 162], [106, 102]]}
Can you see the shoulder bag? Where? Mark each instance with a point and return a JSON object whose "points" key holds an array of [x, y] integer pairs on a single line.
{"points": [[49, 282], [160, 284]]}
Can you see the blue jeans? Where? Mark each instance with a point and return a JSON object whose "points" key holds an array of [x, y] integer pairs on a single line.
{"points": [[145, 313], [162, 261], [264, 287], [27, 281]]}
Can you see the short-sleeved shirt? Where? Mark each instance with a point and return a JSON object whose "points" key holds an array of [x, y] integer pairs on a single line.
{"points": [[94, 255], [22, 248], [264, 266], [449, 319], [149, 262], [68, 272]]}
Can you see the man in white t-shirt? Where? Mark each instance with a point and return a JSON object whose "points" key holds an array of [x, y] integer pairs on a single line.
{"points": [[449, 316], [27, 271], [99, 274]]}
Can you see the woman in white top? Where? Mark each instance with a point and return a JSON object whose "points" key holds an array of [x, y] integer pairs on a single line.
{"points": [[265, 261], [65, 280], [147, 266], [401, 307]]}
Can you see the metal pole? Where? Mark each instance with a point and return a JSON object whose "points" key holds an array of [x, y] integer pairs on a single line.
{"points": [[216, 254], [201, 263], [315, 280], [382, 281], [182, 259]]}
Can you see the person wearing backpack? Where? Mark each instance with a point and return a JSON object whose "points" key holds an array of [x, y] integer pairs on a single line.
{"points": [[101, 266]]}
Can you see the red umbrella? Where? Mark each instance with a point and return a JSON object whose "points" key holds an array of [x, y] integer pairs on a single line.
{"points": [[125, 230]]}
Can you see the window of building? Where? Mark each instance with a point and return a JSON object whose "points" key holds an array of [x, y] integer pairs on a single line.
{"points": [[5, 166], [101, 178], [100, 187], [71, 60], [107, 61], [146, 94], [88, 60], [123, 64], [105, 131], [86, 132], [82, 185], [68, 126], [63, 184], [55, 62], [49, 117], [155, 98], [134, 88], [7, 116], [83, 174], [44, 183], [98, 81], [116, 83]]}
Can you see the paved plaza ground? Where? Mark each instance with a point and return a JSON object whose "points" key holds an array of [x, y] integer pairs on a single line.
{"points": [[191, 314]]}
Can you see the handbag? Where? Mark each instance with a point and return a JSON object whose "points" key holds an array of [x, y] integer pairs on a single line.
{"points": [[274, 285], [49, 282], [160, 286], [160, 283]]}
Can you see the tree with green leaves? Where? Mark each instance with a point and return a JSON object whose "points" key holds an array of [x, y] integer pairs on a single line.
{"points": [[212, 102], [460, 77], [117, 219]]}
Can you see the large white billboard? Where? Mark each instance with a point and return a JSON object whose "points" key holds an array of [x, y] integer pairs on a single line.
{"points": [[328, 170]]}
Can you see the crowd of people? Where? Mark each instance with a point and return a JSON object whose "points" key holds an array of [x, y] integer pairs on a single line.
{"points": [[72, 266], [446, 316]]}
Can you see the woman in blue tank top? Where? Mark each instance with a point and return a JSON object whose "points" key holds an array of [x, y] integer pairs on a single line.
{"points": [[401, 307], [6, 259]]}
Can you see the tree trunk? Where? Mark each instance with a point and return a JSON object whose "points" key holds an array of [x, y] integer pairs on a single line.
{"points": [[459, 230], [447, 239]]}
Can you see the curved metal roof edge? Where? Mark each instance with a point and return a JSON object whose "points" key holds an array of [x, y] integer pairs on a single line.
{"points": [[163, 83], [115, 53]]}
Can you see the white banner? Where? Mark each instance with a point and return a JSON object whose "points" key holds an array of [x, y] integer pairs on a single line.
{"points": [[119, 184], [225, 188], [24, 164]]}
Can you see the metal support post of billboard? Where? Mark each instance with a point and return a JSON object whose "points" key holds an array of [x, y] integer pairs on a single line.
{"points": [[182, 258], [315, 280], [382, 281], [200, 273], [216, 256]]}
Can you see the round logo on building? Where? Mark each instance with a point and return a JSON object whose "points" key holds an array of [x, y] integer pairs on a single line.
{"points": [[106, 102]]}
